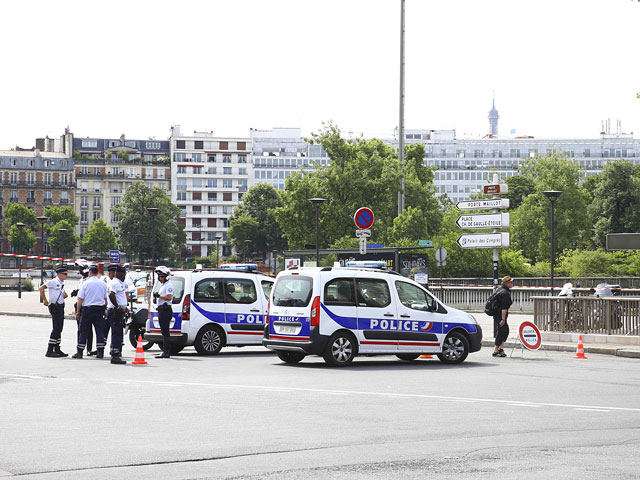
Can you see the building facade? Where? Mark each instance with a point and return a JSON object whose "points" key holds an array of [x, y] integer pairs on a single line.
{"points": [[210, 174]]}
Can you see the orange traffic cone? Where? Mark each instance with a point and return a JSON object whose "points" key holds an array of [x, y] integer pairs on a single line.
{"points": [[426, 356], [139, 360], [580, 349]]}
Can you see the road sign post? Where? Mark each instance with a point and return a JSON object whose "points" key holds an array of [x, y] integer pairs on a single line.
{"points": [[114, 255]]}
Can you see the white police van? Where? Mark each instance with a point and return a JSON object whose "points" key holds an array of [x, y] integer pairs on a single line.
{"points": [[213, 309], [341, 312]]}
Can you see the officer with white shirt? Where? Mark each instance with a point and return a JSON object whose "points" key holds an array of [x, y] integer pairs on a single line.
{"points": [[117, 300], [111, 274], [164, 297], [92, 300], [83, 269], [55, 286]]}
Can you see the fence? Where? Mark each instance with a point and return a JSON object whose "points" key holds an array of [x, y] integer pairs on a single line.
{"points": [[624, 282], [610, 315]]}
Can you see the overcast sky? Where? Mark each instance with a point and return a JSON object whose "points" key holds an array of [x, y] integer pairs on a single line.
{"points": [[558, 67]]}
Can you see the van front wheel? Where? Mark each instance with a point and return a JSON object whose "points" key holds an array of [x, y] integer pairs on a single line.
{"points": [[290, 357], [208, 341], [454, 349], [341, 350]]}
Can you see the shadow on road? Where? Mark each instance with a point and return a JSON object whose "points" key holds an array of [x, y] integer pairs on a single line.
{"points": [[381, 365]]}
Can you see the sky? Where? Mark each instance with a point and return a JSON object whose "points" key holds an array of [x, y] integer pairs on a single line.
{"points": [[107, 68]]}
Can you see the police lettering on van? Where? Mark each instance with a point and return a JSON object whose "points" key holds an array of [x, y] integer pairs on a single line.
{"points": [[341, 312]]}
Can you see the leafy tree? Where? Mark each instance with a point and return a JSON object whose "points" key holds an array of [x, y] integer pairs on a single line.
{"points": [[99, 238], [410, 225], [62, 238], [242, 229], [16, 213], [258, 203], [57, 214], [21, 239], [616, 199], [520, 187], [138, 230]]}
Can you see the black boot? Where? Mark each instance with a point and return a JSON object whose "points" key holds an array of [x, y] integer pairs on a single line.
{"points": [[78, 355], [116, 360], [60, 352], [51, 352], [100, 353], [163, 355]]}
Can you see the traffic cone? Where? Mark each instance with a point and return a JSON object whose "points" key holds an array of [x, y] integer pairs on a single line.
{"points": [[426, 356], [580, 349], [139, 360]]}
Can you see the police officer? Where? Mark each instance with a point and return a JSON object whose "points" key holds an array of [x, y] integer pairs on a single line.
{"points": [[83, 269], [111, 273], [56, 309], [118, 300], [164, 296], [92, 300]]}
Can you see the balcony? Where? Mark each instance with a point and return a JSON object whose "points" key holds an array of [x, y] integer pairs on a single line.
{"points": [[64, 201], [84, 205], [47, 200]]}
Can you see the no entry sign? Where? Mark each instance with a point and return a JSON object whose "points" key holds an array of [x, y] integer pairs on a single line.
{"points": [[363, 218], [530, 336]]}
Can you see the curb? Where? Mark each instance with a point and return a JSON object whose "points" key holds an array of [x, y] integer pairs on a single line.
{"points": [[615, 351], [38, 315]]}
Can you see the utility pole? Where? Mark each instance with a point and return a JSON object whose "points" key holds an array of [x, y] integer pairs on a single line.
{"points": [[401, 125]]}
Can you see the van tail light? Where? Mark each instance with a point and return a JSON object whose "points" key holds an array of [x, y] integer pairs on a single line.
{"points": [[266, 320], [315, 312], [186, 307]]}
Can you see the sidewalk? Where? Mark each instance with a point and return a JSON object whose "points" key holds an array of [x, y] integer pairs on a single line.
{"points": [[619, 345]]}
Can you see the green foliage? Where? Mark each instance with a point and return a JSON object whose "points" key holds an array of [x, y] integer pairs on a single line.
{"points": [[346, 242], [57, 214], [99, 238], [27, 284], [21, 239], [242, 231], [512, 263], [16, 213], [65, 241], [410, 225], [595, 263], [520, 187], [136, 227]]}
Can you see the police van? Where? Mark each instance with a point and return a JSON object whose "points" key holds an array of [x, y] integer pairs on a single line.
{"points": [[213, 309], [341, 312]]}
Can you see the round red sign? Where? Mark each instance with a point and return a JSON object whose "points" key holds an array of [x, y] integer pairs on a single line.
{"points": [[530, 336], [363, 218]]}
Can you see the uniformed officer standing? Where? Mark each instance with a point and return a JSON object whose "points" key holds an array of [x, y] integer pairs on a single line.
{"points": [[92, 300], [164, 296], [115, 315], [56, 309], [111, 273], [83, 269]]}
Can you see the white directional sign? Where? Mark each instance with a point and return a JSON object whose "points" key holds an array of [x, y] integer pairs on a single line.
{"points": [[483, 204], [363, 233], [484, 240], [483, 220]]}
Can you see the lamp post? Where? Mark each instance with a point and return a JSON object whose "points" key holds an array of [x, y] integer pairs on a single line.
{"points": [[43, 219], [153, 211], [553, 196], [317, 202], [20, 226], [247, 244], [218, 237]]}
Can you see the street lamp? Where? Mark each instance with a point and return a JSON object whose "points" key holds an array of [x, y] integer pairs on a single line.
{"points": [[247, 244], [43, 219], [153, 211], [218, 237], [20, 226], [553, 196], [317, 202]]}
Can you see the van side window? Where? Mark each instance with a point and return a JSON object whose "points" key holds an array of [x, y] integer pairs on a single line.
{"points": [[239, 291], [372, 292], [266, 288], [339, 291], [208, 290], [413, 297]]}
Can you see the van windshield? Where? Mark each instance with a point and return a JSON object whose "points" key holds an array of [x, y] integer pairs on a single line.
{"points": [[178, 288], [293, 291]]}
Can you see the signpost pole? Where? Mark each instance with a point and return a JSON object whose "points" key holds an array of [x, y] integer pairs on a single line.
{"points": [[496, 256]]}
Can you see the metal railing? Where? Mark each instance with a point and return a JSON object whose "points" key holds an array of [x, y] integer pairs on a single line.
{"points": [[610, 315]]}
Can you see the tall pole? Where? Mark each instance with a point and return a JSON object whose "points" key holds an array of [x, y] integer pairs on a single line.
{"points": [[553, 196], [401, 122], [42, 220], [153, 211], [20, 226], [316, 203], [217, 251]]}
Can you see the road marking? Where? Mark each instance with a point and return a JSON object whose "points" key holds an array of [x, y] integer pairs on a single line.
{"points": [[524, 405], [592, 410]]}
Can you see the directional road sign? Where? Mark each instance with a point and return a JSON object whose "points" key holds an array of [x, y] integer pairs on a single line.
{"points": [[363, 233], [425, 243], [483, 220], [483, 204], [114, 255], [495, 189], [484, 240], [363, 218]]}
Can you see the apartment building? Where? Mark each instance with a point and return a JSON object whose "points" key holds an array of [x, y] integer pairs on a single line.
{"points": [[210, 174]]}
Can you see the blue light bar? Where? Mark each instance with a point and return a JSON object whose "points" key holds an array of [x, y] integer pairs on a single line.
{"points": [[368, 264], [239, 266]]}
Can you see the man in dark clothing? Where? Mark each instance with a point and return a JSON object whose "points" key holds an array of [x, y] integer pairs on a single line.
{"points": [[500, 326]]}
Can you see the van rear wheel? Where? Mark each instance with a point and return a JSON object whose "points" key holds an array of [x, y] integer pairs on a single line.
{"points": [[209, 340], [290, 357], [341, 350], [454, 349]]}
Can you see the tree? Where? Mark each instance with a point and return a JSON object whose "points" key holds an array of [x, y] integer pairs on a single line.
{"points": [[520, 187], [410, 225], [57, 214], [139, 232], [99, 238], [616, 199], [242, 229], [62, 238], [21, 239], [16, 213], [258, 203]]}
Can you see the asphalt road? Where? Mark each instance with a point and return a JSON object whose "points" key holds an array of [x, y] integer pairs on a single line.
{"points": [[244, 414]]}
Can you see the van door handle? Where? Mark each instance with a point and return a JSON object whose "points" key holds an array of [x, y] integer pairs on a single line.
{"points": [[254, 310], [405, 316], [389, 315]]}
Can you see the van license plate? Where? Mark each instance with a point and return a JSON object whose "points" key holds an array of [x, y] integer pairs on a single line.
{"points": [[287, 329]]}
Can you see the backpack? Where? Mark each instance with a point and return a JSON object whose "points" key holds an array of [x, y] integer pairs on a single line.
{"points": [[493, 305]]}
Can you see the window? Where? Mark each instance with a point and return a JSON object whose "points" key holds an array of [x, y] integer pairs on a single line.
{"points": [[182, 170], [196, 195], [64, 179], [96, 215], [227, 183], [211, 158], [227, 197], [198, 145], [340, 291], [13, 198], [197, 170], [212, 196], [266, 288], [240, 291], [414, 297], [224, 145], [64, 197], [243, 171], [115, 201], [197, 157], [180, 144], [212, 183], [181, 184], [197, 183], [31, 178], [31, 196], [89, 143], [96, 202], [226, 159], [373, 293], [182, 157], [227, 210], [209, 291], [181, 196], [47, 196], [14, 178], [196, 209], [152, 145], [83, 216], [242, 159], [293, 291], [226, 171], [211, 170], [242, 145]]}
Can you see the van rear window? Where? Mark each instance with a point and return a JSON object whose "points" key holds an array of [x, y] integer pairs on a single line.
{"points": [[293, 291]]}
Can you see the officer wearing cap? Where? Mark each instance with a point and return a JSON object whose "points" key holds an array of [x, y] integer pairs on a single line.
{"points": [[55, 286], [111, 273], [118, 300], [164, 297], [83, 269], [92, 300]]}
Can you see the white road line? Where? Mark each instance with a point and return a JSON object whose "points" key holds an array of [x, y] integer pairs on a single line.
{"points": [[524, 405], [592, 410]]}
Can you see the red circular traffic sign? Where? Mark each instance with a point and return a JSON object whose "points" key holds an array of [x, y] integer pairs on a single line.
{"points": [[530, 336], [363, 218]]}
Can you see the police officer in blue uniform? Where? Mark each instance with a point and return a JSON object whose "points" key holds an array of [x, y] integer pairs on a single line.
{"points": [[92, 300], [55, 304], [118, 299], [164, 297]]}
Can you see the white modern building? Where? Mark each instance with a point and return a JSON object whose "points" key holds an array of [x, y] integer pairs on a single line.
{"points": [[209, 175]]}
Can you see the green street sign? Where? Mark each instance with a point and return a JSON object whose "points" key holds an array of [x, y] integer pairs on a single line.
{"points": [[425, 243]]}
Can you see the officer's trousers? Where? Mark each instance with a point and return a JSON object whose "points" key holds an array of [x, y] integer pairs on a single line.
{"points": [[92, 317], [165, 312], [57, 318], [116, 322]]}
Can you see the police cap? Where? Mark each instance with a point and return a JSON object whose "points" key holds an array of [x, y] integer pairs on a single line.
{"points": [[112, 268], [120, 269], [93, 269], [62, 270]]}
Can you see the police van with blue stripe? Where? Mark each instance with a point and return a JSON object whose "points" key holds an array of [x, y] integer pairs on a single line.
{"points": [[213, 309], [340, 312]]}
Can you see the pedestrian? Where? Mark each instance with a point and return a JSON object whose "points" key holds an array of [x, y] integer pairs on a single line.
{"points": [[164, 297], [500, 325], [83, 269], [111, 273], [118, 302], [55, 303], [92, 300]]}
